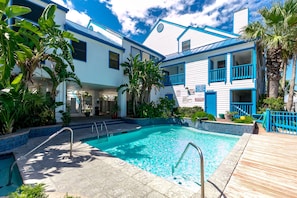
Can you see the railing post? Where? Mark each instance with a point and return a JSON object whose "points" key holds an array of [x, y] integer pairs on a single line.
{"points": [[268, 120]]}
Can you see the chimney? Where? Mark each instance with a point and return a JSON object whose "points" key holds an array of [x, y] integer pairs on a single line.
{"points": [[240, 20]]}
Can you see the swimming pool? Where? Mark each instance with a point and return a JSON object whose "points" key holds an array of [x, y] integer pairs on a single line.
{"points": [[5, 161], [157, 148]]}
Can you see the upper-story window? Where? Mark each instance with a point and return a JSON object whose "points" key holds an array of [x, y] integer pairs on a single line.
{"points": [[80, 50], [186, 45], [35, 13], [114, 60], [143, 55], [135, 51]]}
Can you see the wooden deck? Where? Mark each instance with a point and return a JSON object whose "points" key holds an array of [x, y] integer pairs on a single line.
{"points": [[267, 168]]}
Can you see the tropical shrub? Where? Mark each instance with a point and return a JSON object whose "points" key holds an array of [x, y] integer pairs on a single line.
{"points": [[275, 104], [201, 114], [29, 191], [186, 111], [244, 119]]}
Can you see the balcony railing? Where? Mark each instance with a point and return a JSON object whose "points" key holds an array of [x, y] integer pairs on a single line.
{"points": [[242, 108], [240, 72], [217, 75], [175, 79]]}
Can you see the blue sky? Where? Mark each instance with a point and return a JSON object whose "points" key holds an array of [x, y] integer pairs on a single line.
{"points": [[134, 18]]}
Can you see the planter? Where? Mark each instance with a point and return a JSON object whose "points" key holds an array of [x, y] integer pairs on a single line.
{"points": [[222, 116], [87, 114]]}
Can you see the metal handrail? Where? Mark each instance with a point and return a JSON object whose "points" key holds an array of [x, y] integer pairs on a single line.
{"points": [[48, 139], [201, 164], [107, 132], [95, 124]]}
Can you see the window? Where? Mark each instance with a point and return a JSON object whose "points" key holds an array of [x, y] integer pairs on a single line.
{"points": [[34, 14], [221, 64], [186, 45], [145, 56], [114, 60], [135, 51], [80, 50]]}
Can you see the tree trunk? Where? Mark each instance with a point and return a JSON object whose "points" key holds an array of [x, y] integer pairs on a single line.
{"points": [[273, 65], [283, 84], [292, 85]]}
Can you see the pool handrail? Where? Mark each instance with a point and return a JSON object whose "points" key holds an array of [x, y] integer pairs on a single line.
{"points": [[95, 125], [35, 148], [201, 165]]}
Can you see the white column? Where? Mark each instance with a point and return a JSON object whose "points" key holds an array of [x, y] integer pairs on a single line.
{"points": [[61, 97], [122, 102]]}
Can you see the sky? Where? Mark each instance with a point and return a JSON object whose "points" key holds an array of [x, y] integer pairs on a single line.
{"points": [[135, 18]]}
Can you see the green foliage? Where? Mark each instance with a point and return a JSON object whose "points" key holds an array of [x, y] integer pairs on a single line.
{"points": [[29, 191], [202, 114], [70, 196], [66, 118], [187, 111], [275, 104], [163, 109], [244, 119], [143, 77]]}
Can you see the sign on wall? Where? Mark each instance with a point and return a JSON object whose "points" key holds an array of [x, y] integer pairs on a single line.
{"points": [[200, 88]]}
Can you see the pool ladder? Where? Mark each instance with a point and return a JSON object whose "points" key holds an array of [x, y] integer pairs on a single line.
{"points": [[201, 165], [34, 149], [96, 127]]}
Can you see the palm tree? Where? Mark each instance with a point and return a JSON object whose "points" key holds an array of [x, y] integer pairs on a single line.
{"points": [[151, 77], [272, 38], [132, 69], [289, 12]]}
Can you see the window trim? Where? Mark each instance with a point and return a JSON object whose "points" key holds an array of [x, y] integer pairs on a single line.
{"points": [[112, 61], [187, 44]]}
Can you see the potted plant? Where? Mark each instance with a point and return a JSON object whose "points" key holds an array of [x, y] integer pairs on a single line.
{"points": [[230, 114], [87, 111], [114, 111]]}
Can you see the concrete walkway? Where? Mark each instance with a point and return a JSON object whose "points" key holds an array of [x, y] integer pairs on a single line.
{"points": [[90, 172]]}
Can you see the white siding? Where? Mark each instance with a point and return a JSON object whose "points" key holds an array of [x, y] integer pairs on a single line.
{"points": [[96, 69], [240, 20], [198, 38], [164, 42]]}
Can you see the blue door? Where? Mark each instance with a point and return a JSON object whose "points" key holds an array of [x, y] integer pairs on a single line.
{"points": [[211, 103]]}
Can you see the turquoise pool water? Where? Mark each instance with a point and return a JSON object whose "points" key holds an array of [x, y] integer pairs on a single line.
{"points": [[157, 148], [5, 161]]}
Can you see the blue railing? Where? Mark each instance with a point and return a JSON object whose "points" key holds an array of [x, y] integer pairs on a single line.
{"points": [[280, 122], [175, 79], [217, 75], [242, 108], [240, 72]]}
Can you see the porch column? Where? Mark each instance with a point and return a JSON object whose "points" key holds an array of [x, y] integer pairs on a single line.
{"points": [[122, 102], [61, 97], [229, 68]]}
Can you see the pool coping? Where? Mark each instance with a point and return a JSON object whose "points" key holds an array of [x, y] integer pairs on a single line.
{"points": [[214, 186]]}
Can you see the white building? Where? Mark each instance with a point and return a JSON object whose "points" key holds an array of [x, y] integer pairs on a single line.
{"points": [[205, 66], [208, 67]]}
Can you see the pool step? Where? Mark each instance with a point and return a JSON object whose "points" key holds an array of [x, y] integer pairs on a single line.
{"points": [[89, 124], [186, 183]]}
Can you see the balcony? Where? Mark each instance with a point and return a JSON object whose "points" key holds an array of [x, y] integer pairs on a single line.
{"points": [[240, 72], [217, 75], [175, 79]]}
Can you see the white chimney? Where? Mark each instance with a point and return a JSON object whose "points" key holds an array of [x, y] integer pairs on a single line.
{"points": [[240, 20]]}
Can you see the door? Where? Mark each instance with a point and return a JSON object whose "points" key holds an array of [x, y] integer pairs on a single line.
{"points": [[211, 103]]}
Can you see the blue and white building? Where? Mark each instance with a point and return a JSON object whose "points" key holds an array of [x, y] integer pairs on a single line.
{"points": [[208, 67], [204, 67]]}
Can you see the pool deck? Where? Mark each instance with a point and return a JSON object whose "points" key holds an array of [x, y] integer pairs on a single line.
{"points": [[263, 165]]}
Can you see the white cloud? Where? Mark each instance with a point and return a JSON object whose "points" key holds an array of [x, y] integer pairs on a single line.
{"points": [[131, 12], [81, 18]]}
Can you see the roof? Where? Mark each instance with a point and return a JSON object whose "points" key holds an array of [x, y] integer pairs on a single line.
{"points": [[91, 34], [58, 5], [205, 48]]}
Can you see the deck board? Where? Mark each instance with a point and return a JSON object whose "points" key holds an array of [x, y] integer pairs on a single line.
{"points": [[267, 168]]}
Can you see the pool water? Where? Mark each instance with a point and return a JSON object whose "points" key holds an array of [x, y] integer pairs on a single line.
{"points": [[5, 161], [157, 148]]}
